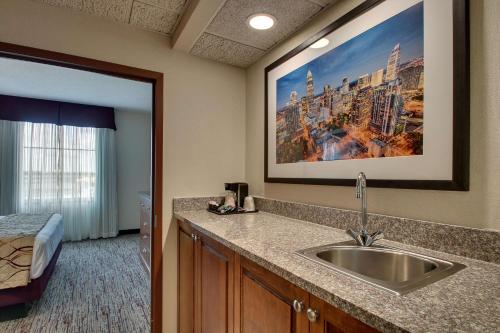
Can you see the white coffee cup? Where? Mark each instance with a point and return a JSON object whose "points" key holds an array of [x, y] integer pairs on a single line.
{"points": [[249, 204]]}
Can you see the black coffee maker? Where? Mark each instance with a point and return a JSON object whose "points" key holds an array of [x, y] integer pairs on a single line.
{"points": [[241, 190]]}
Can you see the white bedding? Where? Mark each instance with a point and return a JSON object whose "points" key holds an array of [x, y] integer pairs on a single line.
{"points": [[46, 242]]}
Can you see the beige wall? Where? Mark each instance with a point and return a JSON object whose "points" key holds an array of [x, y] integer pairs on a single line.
{"points": [[204, 103], [480, 207], [133, 157]]}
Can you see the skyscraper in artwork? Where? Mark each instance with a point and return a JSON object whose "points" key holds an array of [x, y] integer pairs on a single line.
{"points": [[293, 97], [310, 85], [393, 63], [377, 78]]}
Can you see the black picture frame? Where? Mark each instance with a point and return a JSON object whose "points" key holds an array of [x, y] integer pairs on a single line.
{"points": [[461, 107]]}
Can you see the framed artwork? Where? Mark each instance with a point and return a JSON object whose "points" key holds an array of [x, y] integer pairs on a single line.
{"points": [[384, 90]]}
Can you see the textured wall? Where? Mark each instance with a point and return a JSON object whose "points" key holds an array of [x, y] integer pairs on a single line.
{"points": [[133, 154], [204, 104], [478, 208]]}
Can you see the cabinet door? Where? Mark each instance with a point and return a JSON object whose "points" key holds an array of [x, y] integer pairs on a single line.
{"points": [[265, 302], [332, 320], [185, 280], [214, 287]]}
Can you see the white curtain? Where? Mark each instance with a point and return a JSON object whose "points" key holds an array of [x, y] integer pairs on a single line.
{"points": [[106, 205], [72, 171]]}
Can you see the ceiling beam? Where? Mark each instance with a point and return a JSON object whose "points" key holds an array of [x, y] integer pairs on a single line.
{"points": [[193, 23]]}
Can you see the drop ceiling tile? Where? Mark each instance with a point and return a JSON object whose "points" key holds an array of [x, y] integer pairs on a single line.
{"points": [[226, 51], [73, 4], [118, 10], [230, 22], [171, 5], [153, 18], [324, 3]]}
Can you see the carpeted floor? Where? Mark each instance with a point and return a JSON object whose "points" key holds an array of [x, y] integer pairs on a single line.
{"points": [[97, 286]]}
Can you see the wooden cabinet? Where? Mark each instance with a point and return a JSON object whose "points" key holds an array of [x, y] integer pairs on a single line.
{"points": [[265, 302], [333, 320], [214, 272], [145, 230], [206, 284], [220, 291]]}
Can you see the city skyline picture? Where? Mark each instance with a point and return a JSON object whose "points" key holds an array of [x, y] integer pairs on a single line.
{"points": [[362, 99]]}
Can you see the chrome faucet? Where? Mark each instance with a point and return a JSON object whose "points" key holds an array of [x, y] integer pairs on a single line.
{"points": [[363, 237]]}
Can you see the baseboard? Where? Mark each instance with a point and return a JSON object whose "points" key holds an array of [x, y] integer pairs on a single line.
{"points": [[129, 231]]}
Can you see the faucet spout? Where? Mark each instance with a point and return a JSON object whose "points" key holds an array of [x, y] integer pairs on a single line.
{"points": [[361, 194], [363, 237]]}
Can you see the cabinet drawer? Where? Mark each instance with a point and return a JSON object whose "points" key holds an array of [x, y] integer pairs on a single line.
{"points": [[145, 251], [145, 220]]}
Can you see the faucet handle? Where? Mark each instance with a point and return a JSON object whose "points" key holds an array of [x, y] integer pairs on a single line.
{"points": [[374, 237], [357, 236], [377, 235], [363, 238]]}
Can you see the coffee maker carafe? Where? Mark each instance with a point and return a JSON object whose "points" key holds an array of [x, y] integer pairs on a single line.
{"points": [[241, 191]]}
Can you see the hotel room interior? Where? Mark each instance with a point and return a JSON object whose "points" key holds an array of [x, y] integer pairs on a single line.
{"points": [[249, 166], [75, 168]]}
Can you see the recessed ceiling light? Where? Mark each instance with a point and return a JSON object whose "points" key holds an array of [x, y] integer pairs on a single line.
{"points": [[320, 43], [261, 21]]}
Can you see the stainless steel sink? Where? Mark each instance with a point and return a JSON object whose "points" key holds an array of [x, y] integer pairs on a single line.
{"points": [[391, 269]]}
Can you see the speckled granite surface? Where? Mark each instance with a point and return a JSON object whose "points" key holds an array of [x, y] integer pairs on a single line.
{"points": [[479, 244], [468, 301], [196, 203], [469, 242]]}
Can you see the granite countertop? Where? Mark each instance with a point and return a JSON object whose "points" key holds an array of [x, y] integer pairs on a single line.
{"points": [[467, 301]]}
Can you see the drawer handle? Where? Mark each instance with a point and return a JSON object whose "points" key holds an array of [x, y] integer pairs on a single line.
{"points": [[298, 306], [312, 315]]}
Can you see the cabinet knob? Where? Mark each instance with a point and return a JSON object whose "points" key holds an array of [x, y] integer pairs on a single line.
{"points": [[312, 315], [194, 237], [298, 306]]}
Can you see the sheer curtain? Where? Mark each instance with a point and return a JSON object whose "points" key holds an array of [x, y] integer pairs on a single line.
{"points": [[72, 171]]}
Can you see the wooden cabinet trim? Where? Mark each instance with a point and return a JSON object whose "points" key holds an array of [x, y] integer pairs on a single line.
{"points": [[333, 320], [266, 286], [185, 316], [185, 226], [281, 285], [277, 286], [263, 310]]}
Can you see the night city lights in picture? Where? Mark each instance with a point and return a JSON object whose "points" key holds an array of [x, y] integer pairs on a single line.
{"points": [[362, 99]]}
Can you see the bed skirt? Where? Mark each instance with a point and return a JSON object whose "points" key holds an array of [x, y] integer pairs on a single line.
{"points": [[34, 289]]}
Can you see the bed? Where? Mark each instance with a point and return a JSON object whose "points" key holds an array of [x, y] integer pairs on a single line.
{"points": [[46, 250]]}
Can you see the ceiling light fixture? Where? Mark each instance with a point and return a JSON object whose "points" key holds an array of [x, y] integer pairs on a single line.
{"points": [[320, 43], [261, 21]]}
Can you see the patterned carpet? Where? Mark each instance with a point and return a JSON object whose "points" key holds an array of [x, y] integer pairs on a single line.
{"points": [[97, 286]]}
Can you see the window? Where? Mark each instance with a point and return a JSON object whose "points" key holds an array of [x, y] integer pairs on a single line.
{"points": [[58, 163]]}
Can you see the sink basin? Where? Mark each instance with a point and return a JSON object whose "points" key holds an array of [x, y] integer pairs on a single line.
{"points": [[391, 269]]}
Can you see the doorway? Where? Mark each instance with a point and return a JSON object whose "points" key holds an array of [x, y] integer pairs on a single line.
{"points": [[156, 80]]}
